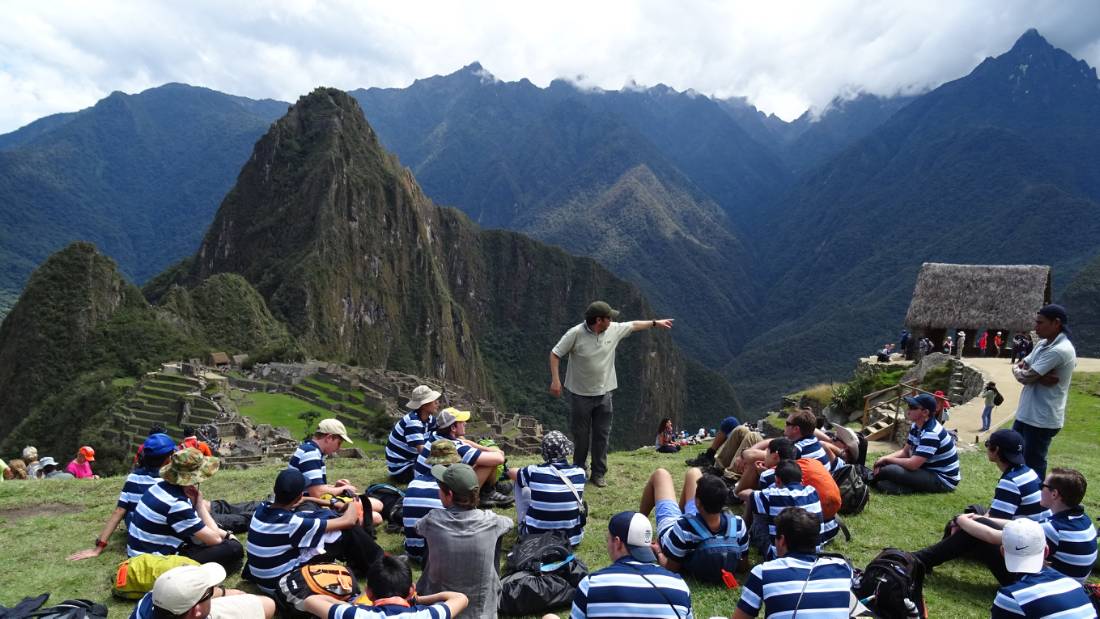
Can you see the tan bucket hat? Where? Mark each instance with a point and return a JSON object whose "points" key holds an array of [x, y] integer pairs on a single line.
{"points": [[421, 396]]}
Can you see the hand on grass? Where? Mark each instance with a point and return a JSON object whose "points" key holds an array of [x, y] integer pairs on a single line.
{"points": [[85, 554]]}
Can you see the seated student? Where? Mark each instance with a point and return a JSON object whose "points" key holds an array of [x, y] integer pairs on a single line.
{"points": [[1038, 591], [1017, 496], [549, 496], [390, 589], [155, 451], [451, 425], [463, 542], [666, 437], [801, 427], [817, 586], [422, 496], [30, 457], [769, 502], [731, 439], [409, 433], [171, 517], [927, 463], [80, 467], [281, 540], [196, 591], [309, 460], [1069, 531], [18, 469], [634, 585], [191, 439], [48, 468], [680, 525]]}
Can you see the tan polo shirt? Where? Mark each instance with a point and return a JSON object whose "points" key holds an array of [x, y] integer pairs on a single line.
{"points": [[591, 363]]}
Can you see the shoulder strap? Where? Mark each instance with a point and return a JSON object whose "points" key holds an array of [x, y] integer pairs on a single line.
{"points": [[804, 585], [569, 484], [659, 590], [701, 528]]}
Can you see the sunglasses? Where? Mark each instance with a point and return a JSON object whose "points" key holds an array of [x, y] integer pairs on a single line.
{"points": [[206, 596]]}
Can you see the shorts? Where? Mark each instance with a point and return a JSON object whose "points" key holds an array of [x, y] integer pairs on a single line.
{"points": [[668, 512], [728, 424]]}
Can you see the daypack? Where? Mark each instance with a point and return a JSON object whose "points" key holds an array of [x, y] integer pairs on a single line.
{"points": [[889, 580], [854, 493], [69, 609], [716, 555], [135, 576], [815, 474], [393, 502], [998, 399], [331, 579], [542, 575]]}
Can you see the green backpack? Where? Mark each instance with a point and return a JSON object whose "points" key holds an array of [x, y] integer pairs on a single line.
{"points": [[136, 575]]}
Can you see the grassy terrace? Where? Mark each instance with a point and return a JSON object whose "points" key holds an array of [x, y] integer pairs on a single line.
{"points": [[45, 521]]}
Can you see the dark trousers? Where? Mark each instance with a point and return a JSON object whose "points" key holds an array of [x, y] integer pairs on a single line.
{"points": [[1036, 443], [591, 424], [962, 544], [896, 479], [668, 449], [228, 554]]}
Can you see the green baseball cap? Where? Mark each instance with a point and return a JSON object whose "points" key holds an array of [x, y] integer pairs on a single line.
{"points": [[460, 478], [600, 309]]}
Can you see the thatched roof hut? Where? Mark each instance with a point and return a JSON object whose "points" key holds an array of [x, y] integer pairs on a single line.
{"points": [[976, 296]]}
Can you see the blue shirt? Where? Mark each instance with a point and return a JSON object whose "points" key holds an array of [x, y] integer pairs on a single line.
{"points": [[619, 591], [829, 526], [681, 539], [355, 611], [137, 482], [162, 521], [310, 462], [1072, 541], [770, 501], [810, 447], [777, 584], [553, 505], [466, 454], [1017, 495], [1046, 594], [408, 434], [276, 537], [934, 443], [421, 497]]}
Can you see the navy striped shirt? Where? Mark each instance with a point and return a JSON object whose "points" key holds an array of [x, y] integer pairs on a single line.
{"points": [[935, 444], [1017, 495], [467, 454], [680, 539], [421, 497], [770, 502], [388, 611], [620, 591], [162, 521], [1072, 541], [276, 538], [310, 462], [408, 434], [1046, 594], [777, 584], [810, 447], [829, 528], [137, 482], [553, 506]]}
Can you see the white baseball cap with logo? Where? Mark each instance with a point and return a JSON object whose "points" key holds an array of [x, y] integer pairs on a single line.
{"points": [[179, 589], [1024, 546]]}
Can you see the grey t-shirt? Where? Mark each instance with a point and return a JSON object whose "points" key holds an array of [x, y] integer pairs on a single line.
{"points": [[462, 556], [1042, 406], [591, 369]]}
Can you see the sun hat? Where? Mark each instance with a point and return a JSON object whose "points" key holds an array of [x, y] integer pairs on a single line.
{"points": [[924, 400], [636, 532], [1009, 443], [336, 428], [88, 453], [460, 478], [422, 395], [158, 444], [1024, 545], [600, 309], [556, 446], [47, 461], [443, 451], [180, 588], [189, 467]]}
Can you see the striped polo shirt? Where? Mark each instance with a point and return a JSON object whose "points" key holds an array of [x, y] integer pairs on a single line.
{"points": [[276, 539], [163, 519], [620, 591], [553, 506], [810, 447], [466, 453], [934, 443], [681, 539], [1017, 495], [389, 611], [408, 434], [137, 482], [1046, 594], [771, 501], [777, 584], [421, 497], [829, 527], [310, 462], [1072, 541]]}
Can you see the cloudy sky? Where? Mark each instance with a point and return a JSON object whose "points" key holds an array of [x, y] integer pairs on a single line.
{"points": [[783, 56]]}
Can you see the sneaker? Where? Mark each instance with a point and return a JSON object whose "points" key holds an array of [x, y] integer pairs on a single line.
{"points": [[706, 458], [494, 499], [504, 486], [599, 482]]}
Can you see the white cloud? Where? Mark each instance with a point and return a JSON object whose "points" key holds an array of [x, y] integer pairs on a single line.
{"points": [[783, 56]]}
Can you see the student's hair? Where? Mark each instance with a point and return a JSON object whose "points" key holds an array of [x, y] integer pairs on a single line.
{"points": [[711, 492], [788, 472], [1069, 483], [18, 468], [188, 431], [157, 428], [784, 448], [805, 420], [800, 529], [389, 577], [465, 502], [591, 320], [153, 461], [661, 426]]}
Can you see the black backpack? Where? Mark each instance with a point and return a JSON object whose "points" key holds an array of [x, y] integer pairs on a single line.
{"points": [[998, 399], [851, 479], [542, 575], [393, 502], [889, 580], [716, 554]]}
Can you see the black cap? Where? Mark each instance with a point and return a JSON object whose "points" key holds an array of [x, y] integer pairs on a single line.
{"points": [[1056, 312], [289, 485], [1009, 444]]}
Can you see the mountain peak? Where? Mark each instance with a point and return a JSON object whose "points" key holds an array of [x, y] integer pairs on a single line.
{"points": [[1030, 42]]}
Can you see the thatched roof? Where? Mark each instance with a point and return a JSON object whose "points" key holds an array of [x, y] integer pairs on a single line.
{"points": [[978, 296]]}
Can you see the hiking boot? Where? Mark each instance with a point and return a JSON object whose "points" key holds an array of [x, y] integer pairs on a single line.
{"points": [[599, 482], [504, 486], [704, 459], [493, 498]]}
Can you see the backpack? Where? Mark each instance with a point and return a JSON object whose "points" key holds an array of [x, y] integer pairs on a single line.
{"points": [[998, 399], [70, 609], [542, 574], [135, 576], [815, 474], [330, 579], [393, 505], [854, 493], [891, 579], [716, 555]]}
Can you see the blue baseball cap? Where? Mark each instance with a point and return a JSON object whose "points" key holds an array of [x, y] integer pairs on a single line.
{"points": [[158, 444], [925, 400], [636, 532], [728, 424]]}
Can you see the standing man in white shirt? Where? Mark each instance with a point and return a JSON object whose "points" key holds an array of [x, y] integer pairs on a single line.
{"points": [[1045, 374], [590, 379]]}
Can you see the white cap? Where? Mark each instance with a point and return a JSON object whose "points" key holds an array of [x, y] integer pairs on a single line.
{"points": [[180, 588], [334, 427], [422, 395], [1025, 546]]}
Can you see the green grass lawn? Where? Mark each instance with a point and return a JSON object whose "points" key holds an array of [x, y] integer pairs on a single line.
{"points": [[42, 522], [277, 409]]}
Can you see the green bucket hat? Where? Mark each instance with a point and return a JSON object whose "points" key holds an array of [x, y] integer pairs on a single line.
{"points": [[189, 467], [443, 451]]}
